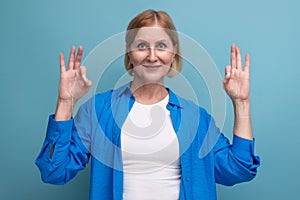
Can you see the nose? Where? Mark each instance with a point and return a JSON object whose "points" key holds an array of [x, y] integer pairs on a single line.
{"points": [[152, 55]]}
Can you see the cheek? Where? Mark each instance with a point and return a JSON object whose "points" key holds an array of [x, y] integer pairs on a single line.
{"points": [[137, 57], [166, 57]]}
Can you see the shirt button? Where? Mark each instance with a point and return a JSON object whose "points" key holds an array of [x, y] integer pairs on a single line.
{"points": [[187, 179]]}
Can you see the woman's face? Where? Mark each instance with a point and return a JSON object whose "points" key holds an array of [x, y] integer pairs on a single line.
{"points": [[151, 54]]}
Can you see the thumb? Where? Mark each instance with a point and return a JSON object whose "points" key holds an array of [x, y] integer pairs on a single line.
{"points": [[82, 72]]}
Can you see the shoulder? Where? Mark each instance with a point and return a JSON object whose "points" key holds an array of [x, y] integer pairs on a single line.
{"points": [[95, 103], [112, 93], [188, 105], [103, 96], [104, 99], [97, 98]]}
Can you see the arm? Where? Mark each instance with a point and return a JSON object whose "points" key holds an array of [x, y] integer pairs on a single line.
{"points": [[237, 84], [237, 163], [73, 84], [60, 164], [63, 153]]}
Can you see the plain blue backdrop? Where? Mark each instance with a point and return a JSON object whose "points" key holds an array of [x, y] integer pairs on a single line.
{"points": [[34, 32]]}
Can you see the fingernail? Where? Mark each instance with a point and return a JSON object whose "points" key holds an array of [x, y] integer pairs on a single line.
{"points": [[227, 76], [84, 77]]}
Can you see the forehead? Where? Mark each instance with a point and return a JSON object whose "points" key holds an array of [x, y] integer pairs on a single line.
{"points": [[153, 33]]}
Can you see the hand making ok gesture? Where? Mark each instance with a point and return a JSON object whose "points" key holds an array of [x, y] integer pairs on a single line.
{"points": [[73, 84], [237, 80]]}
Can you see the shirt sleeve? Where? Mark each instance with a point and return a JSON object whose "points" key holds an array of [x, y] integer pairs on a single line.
{"points": [[236, 162], [233, 162], [69, 156]]}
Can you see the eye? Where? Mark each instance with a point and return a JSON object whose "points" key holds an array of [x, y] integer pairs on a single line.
{"points": [[162, 45], [141, 46]]}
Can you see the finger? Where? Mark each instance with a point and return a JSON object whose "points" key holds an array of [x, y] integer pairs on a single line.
{"points": [[227, 72], [227, 75], [247, 64], [82, 71], [62, 63], [78, 57], [238, 59], [87, 82], [71, 58], [233, 56]]}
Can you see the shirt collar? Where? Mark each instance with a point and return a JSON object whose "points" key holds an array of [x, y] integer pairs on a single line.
{"points": [[173, 100], [126, 90]]}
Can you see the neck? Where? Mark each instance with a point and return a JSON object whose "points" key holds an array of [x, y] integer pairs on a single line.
{"points": [[149, 93]]}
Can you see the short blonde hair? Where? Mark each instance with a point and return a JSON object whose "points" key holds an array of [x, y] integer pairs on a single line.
{"points": [[149, 18]]}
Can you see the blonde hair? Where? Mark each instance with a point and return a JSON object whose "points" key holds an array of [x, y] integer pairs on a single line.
{"points": [[149, 18]]}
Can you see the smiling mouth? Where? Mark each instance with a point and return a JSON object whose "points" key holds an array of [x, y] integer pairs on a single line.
{"points": [[152, 66]]}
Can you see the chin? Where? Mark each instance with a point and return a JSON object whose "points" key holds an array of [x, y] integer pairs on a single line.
{"points": [[151, 78]]}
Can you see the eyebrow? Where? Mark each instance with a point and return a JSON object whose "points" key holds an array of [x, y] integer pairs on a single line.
{"points": [[141, 40]]}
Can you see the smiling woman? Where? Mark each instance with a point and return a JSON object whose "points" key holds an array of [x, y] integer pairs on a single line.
{"points": [[161, 20], [151, 55], [147, 126]]}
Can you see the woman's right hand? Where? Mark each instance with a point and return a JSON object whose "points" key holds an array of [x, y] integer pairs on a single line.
{"points": [[73, 84]]}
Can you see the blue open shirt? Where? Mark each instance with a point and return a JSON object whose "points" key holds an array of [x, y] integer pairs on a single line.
{"points": [[95, 133]]}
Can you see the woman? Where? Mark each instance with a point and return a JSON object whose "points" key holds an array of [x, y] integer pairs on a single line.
{"points": [[143, 140]]}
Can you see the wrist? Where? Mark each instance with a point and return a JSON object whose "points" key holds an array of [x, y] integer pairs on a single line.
{"points": [[65, 102], [64, 109], [241, 102], [242, 120], [242, 108]]}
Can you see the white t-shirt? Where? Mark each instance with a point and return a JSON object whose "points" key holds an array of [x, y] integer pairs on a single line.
{"points": [[150, 152]]}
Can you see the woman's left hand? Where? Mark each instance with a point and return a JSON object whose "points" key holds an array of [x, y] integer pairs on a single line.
{"points": [[237, 80]]}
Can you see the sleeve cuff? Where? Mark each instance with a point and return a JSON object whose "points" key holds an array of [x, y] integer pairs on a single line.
{"points": [[243, 148], [61, 130]]}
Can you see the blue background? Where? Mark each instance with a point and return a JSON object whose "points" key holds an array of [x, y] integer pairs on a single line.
{"points": [[34, 32]]}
